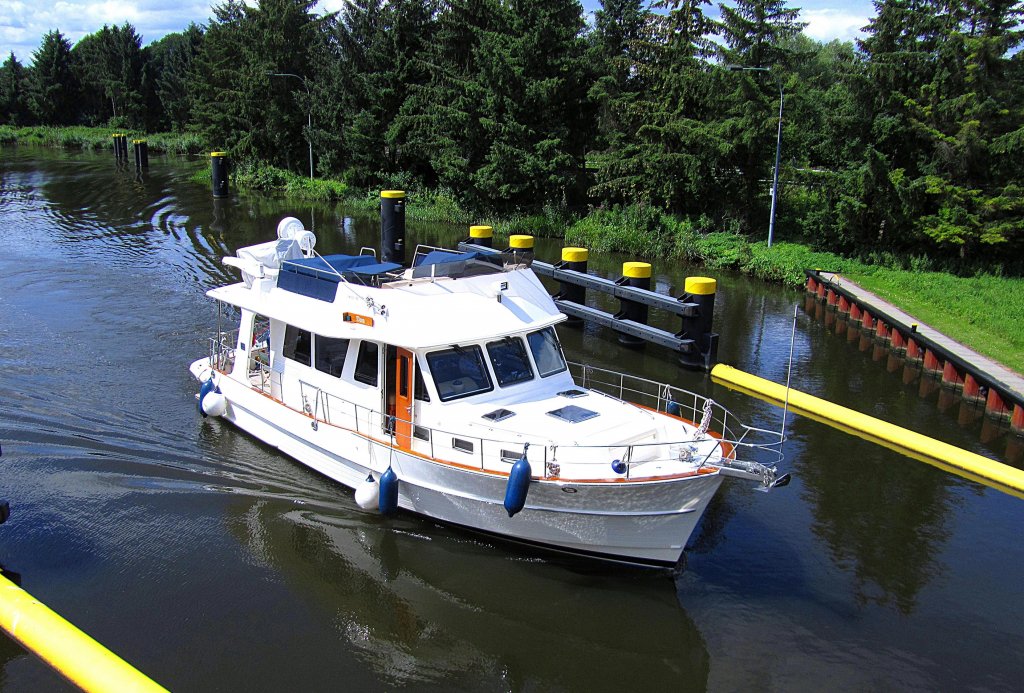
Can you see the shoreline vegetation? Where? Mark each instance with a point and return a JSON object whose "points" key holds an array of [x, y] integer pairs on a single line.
{"points": [[982, 310]]}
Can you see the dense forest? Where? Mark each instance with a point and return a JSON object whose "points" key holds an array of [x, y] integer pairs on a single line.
{"points": [[910, 140]]}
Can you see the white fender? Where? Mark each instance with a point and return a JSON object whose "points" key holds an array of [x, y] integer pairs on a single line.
{"points": [[214, 404], [367, 494]]}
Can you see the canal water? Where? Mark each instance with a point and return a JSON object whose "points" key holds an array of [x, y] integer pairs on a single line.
{"points": [[212, 562]]}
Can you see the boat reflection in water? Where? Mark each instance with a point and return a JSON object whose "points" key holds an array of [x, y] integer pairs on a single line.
{"points": [[421, 603]]}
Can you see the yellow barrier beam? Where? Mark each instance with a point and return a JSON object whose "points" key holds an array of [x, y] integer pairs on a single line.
{"points": [[942, 455], [72, 653]]}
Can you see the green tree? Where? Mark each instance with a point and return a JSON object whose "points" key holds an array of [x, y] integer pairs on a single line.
{"points": [[536, 114], [236, 102], [443, 115], [755, 34], [171, 59], [668, 153], [14, 92], [55, 85], [944, 104], [110, 68]]}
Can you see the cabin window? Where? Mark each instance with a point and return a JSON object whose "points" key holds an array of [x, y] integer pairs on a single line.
{"points": [[419, 387], [547, 352], [298, 345], [509, 360], [459, 372], [366, 363], [462, 445], [330, 355]]}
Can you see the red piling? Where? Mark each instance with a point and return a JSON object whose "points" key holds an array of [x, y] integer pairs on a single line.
{"points": [[972, 389], [931, 361], [1017, 419], [855, 313], [844, 304], [867, 320], [951, 376], [994, 405], [913, 349], [899, 342], [832, 297], [812, 284], [881, 331]]}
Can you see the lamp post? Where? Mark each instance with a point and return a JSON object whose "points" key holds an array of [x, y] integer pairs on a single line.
{"points": [[309, 112], [778, 143]]}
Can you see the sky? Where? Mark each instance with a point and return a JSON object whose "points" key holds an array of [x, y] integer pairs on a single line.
{"points": [[24, 22]]}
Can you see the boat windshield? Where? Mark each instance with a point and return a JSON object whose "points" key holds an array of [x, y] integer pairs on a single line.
{"points": [[509, 360], [547, 352], [459, 372]]}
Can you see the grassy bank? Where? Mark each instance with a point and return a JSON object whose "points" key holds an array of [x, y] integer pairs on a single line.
{"points": [[98, 138], [983, 312]]}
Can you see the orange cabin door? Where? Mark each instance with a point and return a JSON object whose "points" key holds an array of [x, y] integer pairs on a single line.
{"points": [[403, 397]]}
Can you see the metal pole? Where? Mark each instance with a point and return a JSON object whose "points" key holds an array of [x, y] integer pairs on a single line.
{"points": [[775, 181], [778, 145]]}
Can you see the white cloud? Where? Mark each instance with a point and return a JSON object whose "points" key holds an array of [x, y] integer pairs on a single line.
{"points": [[23, 24], [828, 24]]}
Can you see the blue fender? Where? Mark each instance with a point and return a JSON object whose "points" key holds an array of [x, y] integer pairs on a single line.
{"points": [[518, 486], [206, 388], [387, 501], [672, 407]]}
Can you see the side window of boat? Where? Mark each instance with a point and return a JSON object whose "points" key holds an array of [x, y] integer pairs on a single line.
{"points": [[419, 387], [330, 355], [547, 352], [298, 345], [459, 372], [509, 360], [366, 363]]}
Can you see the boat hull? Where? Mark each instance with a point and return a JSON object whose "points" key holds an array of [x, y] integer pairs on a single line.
{"points": [[646, 523]]}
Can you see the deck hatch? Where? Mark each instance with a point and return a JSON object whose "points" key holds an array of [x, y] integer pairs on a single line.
{"points": [[498, 415], [572, 394], [573, 414]]}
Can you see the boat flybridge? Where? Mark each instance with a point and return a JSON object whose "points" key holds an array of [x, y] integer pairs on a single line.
{"points": [[442, 389]]}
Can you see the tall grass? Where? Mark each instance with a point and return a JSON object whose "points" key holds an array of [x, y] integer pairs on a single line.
{"points": [[98, 138]]}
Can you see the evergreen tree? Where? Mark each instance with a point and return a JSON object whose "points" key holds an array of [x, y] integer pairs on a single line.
{"points": [[171, 60], [536, 118], [755, 34], [110, 68], [939, 119], [14, 92], [668, 152], [55, 86], [444, 114], [215, 93]]}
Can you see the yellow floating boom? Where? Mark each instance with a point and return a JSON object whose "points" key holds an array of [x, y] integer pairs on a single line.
{"points": [[72, 653], [942, 455]]}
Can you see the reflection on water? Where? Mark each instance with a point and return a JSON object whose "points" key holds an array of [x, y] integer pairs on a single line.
{"points": [[421, 604], [211, 561]]}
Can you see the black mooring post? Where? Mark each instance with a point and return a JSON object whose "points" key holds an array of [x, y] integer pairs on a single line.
{"points": [[573, 259], [637, 275], [219, 164], [700, 292], [392, 226], [141, 153]]}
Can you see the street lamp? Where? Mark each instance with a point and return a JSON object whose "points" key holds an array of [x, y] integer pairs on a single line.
{"points": [[778, 143], [309, 130]]}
